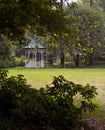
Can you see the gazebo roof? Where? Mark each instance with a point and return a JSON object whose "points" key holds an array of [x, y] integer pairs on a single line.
{"points": [[34, 44]]}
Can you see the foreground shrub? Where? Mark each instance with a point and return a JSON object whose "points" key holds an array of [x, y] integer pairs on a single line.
{"points": [[59, 106]]}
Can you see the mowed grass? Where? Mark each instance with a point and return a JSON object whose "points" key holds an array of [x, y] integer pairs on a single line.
{"points": [[93, 76]]}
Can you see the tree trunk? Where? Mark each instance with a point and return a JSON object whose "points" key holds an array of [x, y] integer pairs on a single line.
{"points": [[62, 59], [61, 50], [77, 60], [91, 59], [62, 56]]}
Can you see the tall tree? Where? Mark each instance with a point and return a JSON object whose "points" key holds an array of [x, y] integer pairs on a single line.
{"points": [[61, 43], [89, 26]]}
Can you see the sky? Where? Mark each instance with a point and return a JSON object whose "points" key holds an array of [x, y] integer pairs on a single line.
{"points": [[70, 0]]}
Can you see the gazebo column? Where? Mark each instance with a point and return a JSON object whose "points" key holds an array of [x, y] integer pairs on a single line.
{"points": [[41, 56], [42, 60], [35, 58], [32, 56], [28, 59], [28, 56]]}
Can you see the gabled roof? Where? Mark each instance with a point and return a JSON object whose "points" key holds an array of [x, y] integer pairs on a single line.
{"points": [[34, 44]]}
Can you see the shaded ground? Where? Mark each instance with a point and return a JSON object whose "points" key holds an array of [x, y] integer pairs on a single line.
{"points": [[94, 124]]}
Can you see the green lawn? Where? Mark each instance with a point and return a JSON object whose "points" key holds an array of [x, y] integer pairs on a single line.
{"points": [[94, 76]]}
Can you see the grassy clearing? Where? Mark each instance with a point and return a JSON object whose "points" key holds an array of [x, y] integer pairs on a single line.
{"points": [[94, 76]]}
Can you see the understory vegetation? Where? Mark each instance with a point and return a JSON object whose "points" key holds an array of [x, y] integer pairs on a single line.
{"points": [[58, 106]]}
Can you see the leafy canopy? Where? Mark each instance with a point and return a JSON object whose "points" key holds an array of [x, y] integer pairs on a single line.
{"points": [[18, 15]]}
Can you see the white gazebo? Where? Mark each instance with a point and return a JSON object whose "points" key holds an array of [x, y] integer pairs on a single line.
{"points": [[34, 54]]}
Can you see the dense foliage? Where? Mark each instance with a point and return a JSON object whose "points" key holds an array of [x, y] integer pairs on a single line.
{"points": [[59, 106], [16, 16]]}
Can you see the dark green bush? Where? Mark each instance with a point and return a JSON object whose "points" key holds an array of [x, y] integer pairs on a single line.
{"points": [[59, 106], [70, 101]]}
